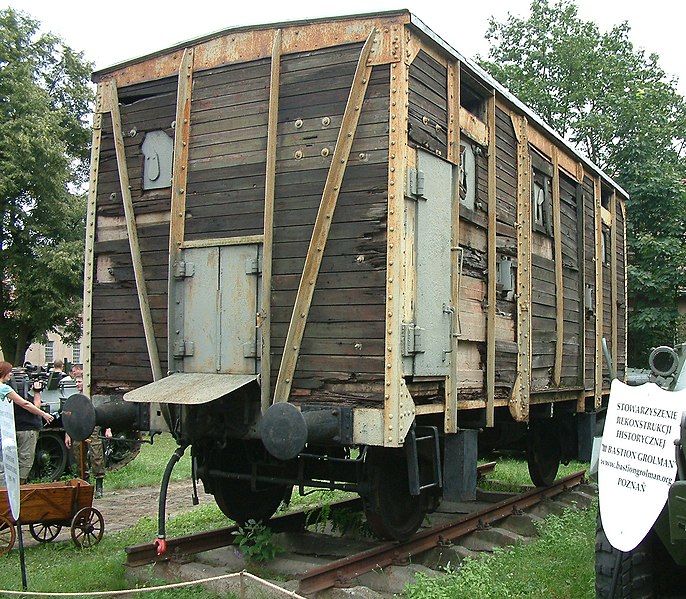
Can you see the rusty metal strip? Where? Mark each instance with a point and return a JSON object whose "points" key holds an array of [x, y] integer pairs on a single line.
{"points": [[613, 282], [343, 570], [450, 417], [559, 284], [89, 254], [492, 267], [521, 389], [322, 225], [177, 218], [132, 231], [269, 193], [599, 309]]}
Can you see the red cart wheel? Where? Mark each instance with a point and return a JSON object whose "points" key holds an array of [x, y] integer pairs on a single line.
{"points": [[87, 527], [44, 533], [7, 535]]}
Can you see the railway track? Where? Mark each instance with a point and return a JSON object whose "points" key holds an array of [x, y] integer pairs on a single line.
{"points": [[341, 572]]}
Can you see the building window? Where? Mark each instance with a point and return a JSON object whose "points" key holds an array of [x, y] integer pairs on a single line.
{"points": [[541, 192], [467, 175], [50, 351], [541, 200], [76, 354]]}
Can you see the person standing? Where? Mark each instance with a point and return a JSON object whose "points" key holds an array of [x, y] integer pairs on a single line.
{"points": [[28, 419], [96, 452]]}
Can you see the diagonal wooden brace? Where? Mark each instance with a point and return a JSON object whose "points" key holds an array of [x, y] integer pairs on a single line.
{"points": [[322, 224]]}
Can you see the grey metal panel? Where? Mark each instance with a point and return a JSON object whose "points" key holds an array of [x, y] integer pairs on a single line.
{"points": [[434, 314], [189, 388], [200, 302], [220, 306], [238, 309]]}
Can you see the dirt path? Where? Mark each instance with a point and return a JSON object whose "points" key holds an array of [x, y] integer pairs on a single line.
{"points": [[124, 507]]}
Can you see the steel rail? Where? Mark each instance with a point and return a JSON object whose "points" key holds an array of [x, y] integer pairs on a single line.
{"points": [[139, 555], [146, 553], [340, 572]]}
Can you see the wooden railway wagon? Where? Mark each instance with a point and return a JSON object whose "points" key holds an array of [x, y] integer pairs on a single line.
{"points": [[314, 237]]}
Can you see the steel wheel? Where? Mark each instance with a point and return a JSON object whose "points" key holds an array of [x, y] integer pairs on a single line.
{"points": [[236, 498], [543, 451], [44, 533], [87, 527], [51, 456], [393, 513], [7, 535]]}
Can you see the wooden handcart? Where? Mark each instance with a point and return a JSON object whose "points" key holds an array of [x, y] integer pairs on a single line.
{"points": [[47, 507]]}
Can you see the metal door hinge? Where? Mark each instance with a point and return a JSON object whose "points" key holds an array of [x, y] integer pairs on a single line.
{"points": [[253, 266], [249, 349], [415, 182], [411, 339], [183, 348], [183, 269]]}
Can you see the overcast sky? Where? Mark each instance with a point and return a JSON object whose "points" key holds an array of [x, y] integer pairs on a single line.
{"points": [[111, 32]]}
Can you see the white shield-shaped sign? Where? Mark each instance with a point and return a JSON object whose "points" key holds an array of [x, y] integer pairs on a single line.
{"points": [[637, 460], [10, 459]]}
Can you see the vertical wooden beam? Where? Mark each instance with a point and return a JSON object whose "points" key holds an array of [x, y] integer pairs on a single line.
{"points": [[132, 232], [177, 217], [492, 264], [89, 253], [597, 193], [559, 284], [398, 405], [450, 417], [581, 257], [322, 225], [269, 193], [521, 389], [613, 283]]}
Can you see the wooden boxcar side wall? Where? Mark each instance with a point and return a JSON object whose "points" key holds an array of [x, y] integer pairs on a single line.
{"points": [[119, 355]]}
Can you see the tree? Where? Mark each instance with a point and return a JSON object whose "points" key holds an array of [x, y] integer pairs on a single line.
{"points": [[44, 136], [616, 105]]}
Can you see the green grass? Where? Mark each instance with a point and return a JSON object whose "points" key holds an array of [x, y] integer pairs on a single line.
{"points": [[559, 565], [148, 466], [511, 474], [61, 567]]}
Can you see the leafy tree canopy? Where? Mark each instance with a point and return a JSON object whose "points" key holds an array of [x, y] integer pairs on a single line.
{"points": [[616, 105], [45, 98]]}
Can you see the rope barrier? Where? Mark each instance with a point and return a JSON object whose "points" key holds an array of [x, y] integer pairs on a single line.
{"points": [[242, 575]]}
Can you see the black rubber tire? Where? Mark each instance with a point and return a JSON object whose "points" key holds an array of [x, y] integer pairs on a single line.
{"points": [[635, 579], [391, 512], [543, 451], [51, 456]]}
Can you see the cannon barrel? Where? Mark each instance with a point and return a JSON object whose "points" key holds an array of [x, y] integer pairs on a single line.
{"points": [[80, 417]]}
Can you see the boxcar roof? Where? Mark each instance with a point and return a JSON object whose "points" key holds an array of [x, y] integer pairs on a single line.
{"points": [[415, 22]]}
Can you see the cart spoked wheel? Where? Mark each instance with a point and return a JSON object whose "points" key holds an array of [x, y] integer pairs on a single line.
{"points": [[44, 533], [87, 527], [7, 535]]}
